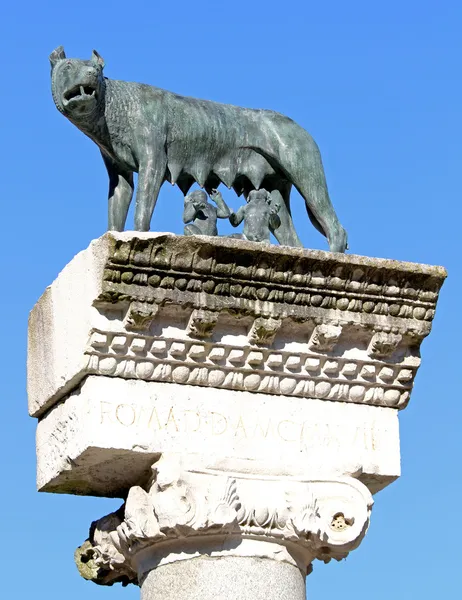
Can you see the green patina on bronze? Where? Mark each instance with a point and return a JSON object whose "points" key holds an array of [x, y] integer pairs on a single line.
{"points": [[166, 137]]}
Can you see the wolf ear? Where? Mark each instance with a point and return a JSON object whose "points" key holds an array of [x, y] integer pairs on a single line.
{"points": [[56, 55], [98, 59]]}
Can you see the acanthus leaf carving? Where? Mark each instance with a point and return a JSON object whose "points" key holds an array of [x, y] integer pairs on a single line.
{"points": [[225, 512], [172, 498], [383, 344], [202, 323], [326, 518], [101, 557], [140, 525], [140, 315], [264, 330], [304, 518], [325, 337]]}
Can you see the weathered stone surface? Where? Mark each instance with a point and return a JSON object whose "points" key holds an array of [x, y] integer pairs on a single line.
{"points": [[184, 512], [242, 399], [103, 438], [232, 314], [59, 327]]}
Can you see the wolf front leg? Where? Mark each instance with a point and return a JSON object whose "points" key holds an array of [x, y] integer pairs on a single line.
{"points": [[151, 176], [120, 194]]}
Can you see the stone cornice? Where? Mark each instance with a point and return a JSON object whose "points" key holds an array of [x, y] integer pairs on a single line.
{"points": [[255, 279], [232, 314]]}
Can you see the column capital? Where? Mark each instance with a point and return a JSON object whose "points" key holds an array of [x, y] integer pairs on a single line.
{"points": [[185, 511]]}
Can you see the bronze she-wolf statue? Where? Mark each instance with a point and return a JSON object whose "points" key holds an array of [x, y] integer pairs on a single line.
{"points": [[166, 137]]}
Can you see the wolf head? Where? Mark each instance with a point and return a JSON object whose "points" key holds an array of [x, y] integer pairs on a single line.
{"points": [[77, 85]]}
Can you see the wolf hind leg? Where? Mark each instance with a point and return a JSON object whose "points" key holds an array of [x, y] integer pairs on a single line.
{"points": [[338, 239], [313, 188], [327, 223], [305, 170]]}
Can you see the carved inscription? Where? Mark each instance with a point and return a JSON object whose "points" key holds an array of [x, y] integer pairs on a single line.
{"points": [[209, 424]]}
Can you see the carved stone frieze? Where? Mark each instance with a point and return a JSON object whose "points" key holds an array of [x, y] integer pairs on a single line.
{"points": [[293, 373], [340, 304], [239, 275], [321, 519], [233, 314]]}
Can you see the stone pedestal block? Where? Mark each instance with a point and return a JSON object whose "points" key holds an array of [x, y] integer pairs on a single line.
{"points": [[241, 398], [104, 438]]}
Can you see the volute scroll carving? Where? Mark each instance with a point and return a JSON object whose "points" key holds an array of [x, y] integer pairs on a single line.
{"points": [[325, 519]]}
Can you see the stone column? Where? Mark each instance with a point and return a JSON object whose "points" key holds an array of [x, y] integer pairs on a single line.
{"points": [[242, 400]]}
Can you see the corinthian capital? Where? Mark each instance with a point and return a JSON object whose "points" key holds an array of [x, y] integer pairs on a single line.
{"points": [[182, 507]]}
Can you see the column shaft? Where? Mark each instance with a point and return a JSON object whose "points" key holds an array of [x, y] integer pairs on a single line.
{"points": [[212, 578]]}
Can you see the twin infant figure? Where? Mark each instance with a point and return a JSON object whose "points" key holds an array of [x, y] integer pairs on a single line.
{"points": [[260, 215]]}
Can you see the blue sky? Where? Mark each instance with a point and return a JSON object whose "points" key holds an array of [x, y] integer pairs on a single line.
{"points": [[378, 85]]}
